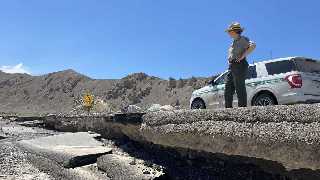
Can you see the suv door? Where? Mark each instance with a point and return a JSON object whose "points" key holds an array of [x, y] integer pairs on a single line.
{"points": [[220, 84], [250, 80]]}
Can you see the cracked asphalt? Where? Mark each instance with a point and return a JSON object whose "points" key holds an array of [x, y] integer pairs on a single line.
{"points": [[17, 163]]}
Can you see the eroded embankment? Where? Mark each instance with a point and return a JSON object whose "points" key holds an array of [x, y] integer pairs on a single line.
{"points": [[286, 134], [283, 136]]}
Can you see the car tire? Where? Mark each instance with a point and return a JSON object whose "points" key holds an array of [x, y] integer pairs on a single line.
{"points": [[264, 100], [198, 104]]}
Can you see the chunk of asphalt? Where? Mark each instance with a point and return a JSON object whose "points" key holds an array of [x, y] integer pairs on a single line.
{"points": [[120, 167], [69, 149], [35, 123]]}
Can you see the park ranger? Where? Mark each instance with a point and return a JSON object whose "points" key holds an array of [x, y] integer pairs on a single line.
{"points": [[240, 48]]}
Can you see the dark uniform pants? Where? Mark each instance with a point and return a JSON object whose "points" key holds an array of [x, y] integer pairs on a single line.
{"points": [[235, 81]]}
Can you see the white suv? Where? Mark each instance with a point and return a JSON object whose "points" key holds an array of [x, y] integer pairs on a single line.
{"points": [[279, 81]]}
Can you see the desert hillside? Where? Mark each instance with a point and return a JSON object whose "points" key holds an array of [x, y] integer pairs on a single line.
{"points": [[58, 91]]}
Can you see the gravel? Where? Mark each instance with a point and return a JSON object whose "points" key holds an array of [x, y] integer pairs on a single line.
{"points": [[14, 161], [14, 164]]}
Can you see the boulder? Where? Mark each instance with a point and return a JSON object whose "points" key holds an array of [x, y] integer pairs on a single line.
{"points": [[167, 108], [154, 108], [158, 107], [125, 167], [133, 109]]}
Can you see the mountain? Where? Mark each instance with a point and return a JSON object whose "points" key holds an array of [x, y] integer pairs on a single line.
{"points": [[56, 92]]}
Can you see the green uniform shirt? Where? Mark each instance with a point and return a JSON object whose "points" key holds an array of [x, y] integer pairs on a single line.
{"points": [[238, 47]]}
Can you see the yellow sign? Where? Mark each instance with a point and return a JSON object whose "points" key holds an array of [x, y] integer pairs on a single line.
{"points": [[88, 100]]}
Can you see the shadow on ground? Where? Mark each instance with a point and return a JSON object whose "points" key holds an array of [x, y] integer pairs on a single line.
{"points": [[189, 164]]}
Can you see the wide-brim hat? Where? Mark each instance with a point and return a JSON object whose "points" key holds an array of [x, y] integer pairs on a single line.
{"points": [[235, 26]]}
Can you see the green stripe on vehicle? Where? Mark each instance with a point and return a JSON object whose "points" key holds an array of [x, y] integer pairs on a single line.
{"points": [[252, 84], [270, 81]]}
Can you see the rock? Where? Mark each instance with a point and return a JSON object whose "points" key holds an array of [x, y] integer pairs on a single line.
{"points": [[154, 107], [118, 167], [158, 107], [133, 109], [167, 108]]}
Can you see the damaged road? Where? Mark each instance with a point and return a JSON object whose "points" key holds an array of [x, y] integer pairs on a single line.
{"points": [[28, 152], [272, 143], [281, 140], [21, 158]]}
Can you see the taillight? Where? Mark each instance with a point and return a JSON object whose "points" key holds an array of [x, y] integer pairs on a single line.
{"points": [[295, 80]]}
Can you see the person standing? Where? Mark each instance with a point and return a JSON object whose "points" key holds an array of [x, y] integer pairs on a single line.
{"points": [[240, 48]]}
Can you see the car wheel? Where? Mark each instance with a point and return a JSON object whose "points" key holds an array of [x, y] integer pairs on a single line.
{"points": [[198, 104], [264, 100]]}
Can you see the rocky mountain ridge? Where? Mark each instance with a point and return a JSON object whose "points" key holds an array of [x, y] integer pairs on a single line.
{"points": [[56, 92]]}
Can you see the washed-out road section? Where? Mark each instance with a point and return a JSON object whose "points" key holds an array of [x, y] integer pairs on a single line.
{"points": [[288, 135], [278, 139]]}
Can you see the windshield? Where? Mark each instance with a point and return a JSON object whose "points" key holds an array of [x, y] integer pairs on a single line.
{"points": [[221, 79], [308, 65]]}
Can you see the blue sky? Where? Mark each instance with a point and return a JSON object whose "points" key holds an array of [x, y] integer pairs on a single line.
{"points": [[167, 38]]}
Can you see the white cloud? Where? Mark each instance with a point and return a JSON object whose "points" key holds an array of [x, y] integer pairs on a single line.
{"points": [[19, 68]]}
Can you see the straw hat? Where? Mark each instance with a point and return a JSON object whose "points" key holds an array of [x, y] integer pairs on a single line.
{"points": [[235, 26]]}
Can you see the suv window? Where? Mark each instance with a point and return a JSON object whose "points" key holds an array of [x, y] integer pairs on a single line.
{"points": [[252, 72], [308, 65], [280, 67], [221, 79]]}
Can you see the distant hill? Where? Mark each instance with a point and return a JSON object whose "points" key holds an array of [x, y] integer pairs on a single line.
{"points": [[56, 92]]}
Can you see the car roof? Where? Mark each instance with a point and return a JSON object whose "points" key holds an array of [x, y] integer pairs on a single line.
{"points": [[282, 59], [270, 60], [275, 60]]}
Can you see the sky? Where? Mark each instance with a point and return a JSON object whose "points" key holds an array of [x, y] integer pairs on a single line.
{"points": [[109, 39]]}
